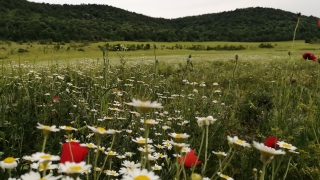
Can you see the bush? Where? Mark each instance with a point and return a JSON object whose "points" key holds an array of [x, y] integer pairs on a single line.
{"points": [[266, 45]]}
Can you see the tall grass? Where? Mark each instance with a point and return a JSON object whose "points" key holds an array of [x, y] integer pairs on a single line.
{"points": [[275, 97]]}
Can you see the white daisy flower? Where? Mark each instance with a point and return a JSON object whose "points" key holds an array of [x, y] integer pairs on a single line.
{"points": [[166, 127], [156, 167], [141, 140], [89, 145], [125, 170], [267, 153], [98, 130], [179, 136], [286, 146], [150, 122], [128, 154], [160, 155], [140, 174], [265, 150], [121, 156], [9, 163], [36, 176], [130, 164], [145, 106], [219, 154], [112, 173], [74, 168], [47, 129], [111, 153], [28, 159], [41, 166], [42, 157], [234, 141], [205, 120], [225, 176], [68, 128]]}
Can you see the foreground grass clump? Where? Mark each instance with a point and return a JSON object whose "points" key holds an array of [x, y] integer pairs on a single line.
{"points": [[178, 122]]}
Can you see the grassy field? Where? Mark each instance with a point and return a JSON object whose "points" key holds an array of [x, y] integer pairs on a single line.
{"points": [[265, 92], [37, 52]]}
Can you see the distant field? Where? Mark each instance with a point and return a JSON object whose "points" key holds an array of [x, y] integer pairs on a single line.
{"points": [[35, 52]]}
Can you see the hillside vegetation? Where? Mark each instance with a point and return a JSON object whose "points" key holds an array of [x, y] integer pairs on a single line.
{"points": [[28, 21]]}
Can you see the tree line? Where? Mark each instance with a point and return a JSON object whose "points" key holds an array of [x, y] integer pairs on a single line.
{"points": [[28, 21]]}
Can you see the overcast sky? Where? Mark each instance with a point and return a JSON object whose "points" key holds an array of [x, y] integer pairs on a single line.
{"points": [[181, 8]]}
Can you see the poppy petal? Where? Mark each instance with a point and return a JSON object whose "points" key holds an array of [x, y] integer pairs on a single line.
{"points": [[189, 160], [78, 152], [271, 142]]}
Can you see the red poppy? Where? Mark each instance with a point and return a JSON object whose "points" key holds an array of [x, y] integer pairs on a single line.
{"points": [[309, 56], [190, 159], [271, 142], [56, 99], [319, 22], [78, 152]]}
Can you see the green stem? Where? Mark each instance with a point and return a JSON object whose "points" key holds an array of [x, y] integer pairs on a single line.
{"points": [[263, 171], [110, 165], [88, 162], [105, 159], [235, 67], [278, 167], [146, 135], [285, 175], [295, 31], [70, 150], [225, 166], [220, 165], [9, 172], [96, 159], [44, 142], [202, 139], [206, 151], [273, 170], [177, 177]]}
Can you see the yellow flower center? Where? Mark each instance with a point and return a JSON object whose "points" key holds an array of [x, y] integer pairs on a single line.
{"points": [[46, 156], [224, 176], [149, 121], [111, 153], [101, 129], [239, 142], [9, 160], [285, 145], [47, 128], [68, 128], [75, 168], [43, 179], [112, 173], [41, 166], [142, 177], [160, 155], [90, 145], [178, 136], [141, 141]]}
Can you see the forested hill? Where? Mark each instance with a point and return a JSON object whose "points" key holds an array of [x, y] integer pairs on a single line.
{"points": [[27, 21]]}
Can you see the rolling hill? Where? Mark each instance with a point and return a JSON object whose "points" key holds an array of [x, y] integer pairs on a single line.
{"points": [[28, 21]]}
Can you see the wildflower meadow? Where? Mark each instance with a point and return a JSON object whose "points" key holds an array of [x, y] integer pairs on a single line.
{"points": [[242, 116]]}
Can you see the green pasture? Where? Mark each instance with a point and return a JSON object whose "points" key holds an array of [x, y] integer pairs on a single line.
{"points": [[262, 93], [38, 52]]}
